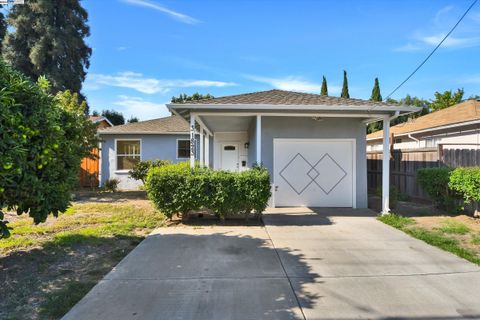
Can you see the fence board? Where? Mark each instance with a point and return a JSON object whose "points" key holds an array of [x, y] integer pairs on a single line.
{"points": [[89, 170]]}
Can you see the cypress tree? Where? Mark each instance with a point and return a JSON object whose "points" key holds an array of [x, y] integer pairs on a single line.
{"points": [[345, 93], [324, 90], [376, 95], [49, 39]]}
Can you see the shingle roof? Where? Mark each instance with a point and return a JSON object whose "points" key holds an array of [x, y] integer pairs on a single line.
{"points": [[281, 97], [462, 112], [165, 125]]}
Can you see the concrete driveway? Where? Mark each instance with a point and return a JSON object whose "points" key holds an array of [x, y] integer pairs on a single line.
{"points": [[305, 264]]}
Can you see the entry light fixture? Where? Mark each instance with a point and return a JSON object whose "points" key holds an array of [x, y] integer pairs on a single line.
{"points": [[246, 145]]}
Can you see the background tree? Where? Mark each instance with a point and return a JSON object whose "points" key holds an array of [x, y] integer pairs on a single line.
{"points": [[376, 95], [3, 28], [345, 93], [115, 117], [44, 138], [133, 119], [48, 38], [183, 98], [446, 99], [324, 89]]}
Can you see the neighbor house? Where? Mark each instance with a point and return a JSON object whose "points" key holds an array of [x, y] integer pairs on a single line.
{"points": [[454, 127], [313, 146]]}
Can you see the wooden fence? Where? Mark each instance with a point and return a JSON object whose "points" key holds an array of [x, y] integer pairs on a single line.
{"points": [[405, 163], [89, 170]]}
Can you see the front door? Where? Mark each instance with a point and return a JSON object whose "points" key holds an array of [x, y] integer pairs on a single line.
{"points": [[230, 156]]}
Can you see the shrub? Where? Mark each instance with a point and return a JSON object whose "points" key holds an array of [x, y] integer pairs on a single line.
{"points": [[44, 138], [393, 195], [178, 189], [466, 181], [435, 182], [140, 170], [111, 185]]}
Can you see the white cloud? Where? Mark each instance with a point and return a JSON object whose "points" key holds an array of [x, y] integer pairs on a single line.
{"points": [[138, 107], [408, 47], [440, 15], [155, 6], [122, 48], [138, 82], [293, 83]]}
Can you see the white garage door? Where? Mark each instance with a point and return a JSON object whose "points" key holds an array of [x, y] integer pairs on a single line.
{"points": [[314, 173]]}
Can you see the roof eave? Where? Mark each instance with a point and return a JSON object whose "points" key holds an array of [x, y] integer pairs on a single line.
{"points": [[142, 132]]}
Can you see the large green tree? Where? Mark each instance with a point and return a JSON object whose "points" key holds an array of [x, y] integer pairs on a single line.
{"points": [[115, 117], [324, 89], [446, 99], [48, 39], [376, 95], [345, 93], [44, 138], [184, 98], [3, 28]]}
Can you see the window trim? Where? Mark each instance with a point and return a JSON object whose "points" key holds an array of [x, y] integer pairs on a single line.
{"points": [[116, 153], [176, 149]]}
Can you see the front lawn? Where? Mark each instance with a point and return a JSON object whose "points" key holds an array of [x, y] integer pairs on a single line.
{"points": [[459, 235], [46, 269]]}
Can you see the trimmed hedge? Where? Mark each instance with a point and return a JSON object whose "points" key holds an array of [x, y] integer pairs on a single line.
{"points": [[177, 188], [466, 181]]}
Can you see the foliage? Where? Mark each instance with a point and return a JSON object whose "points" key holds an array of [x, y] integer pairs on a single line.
{"points": [[115, 117], [179, 189], [434, 181], [48, 38], [183, 98], [345, 93], [446, 99], [3, 28], [454, 227], [376, 95], [43, 141], [324, 89], [133, 119], [396, 220], [111, 185], [466, 181], [393, 195], [140, 170]]}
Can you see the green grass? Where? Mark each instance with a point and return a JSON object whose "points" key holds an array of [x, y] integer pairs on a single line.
{"points": [[58, 302], [476, 239], [454, 227], [438, 238]]}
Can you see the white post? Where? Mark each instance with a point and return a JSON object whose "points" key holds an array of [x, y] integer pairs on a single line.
{"points": [[192, 141], [207, 151], [259, 140], [201, 147], [386, 167]]}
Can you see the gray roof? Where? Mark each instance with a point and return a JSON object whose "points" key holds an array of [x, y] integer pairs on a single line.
{"points": [[281, 97], [167, 125]]}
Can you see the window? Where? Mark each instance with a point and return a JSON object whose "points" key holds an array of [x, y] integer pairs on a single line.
{"points": [[183, 149], [128, 154], [229, 148]]}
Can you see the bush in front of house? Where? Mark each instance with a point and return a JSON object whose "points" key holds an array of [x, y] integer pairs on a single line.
{"points": [[435, 182], [177, 188], [466, 181], [140, 170]]}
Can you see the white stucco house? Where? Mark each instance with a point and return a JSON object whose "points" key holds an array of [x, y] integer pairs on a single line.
{"points": [[313, 146], [456, 127]]}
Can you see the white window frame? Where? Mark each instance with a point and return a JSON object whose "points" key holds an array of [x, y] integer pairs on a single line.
{"points": [[176, 149], [116, 153]]}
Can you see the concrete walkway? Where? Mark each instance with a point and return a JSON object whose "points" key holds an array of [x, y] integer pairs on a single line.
{"points": [[305, 264]]}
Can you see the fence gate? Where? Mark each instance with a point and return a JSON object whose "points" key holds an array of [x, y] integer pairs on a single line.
{"points": [[89, 170]]}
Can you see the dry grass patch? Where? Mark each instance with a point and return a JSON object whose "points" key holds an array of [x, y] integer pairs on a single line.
{"points": [[46, 269]]}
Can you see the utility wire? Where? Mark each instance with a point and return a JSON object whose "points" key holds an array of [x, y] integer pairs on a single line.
{"points": [[433, 51]]}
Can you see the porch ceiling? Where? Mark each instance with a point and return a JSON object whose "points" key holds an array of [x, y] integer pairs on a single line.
{"points": [[227, 123]]}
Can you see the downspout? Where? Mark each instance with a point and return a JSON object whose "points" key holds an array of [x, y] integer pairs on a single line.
{"points": [[414, 139]]}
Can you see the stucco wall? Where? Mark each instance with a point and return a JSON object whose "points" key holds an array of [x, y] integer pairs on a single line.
{"points": [[152, 147], [329, 128]]}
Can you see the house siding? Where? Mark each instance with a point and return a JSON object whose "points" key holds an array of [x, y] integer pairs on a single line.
{"points": [[153, 146], [307, 128]]}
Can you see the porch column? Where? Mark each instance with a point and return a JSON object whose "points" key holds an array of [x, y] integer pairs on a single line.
{"points": [[192, 141], [386, 167], [201, 147], [259, 140], [207, 150]]}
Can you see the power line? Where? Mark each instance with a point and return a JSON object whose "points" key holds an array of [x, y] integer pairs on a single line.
{"points": [[433, 51]]}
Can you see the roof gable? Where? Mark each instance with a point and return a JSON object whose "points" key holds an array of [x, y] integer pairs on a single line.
{"points": [[166, 125]]}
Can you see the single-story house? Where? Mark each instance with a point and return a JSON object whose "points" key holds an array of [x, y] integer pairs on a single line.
{"points": [[101, 122], [455, 127], [313, 146]]}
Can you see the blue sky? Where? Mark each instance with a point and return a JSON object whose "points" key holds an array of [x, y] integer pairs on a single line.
{"points": [[146, 51]]}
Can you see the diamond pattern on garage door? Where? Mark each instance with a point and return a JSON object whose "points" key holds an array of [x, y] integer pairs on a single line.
{"points": [[298, 165]]}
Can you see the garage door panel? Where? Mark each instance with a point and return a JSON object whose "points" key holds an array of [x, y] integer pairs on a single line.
{"points": [[314, 173]]}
